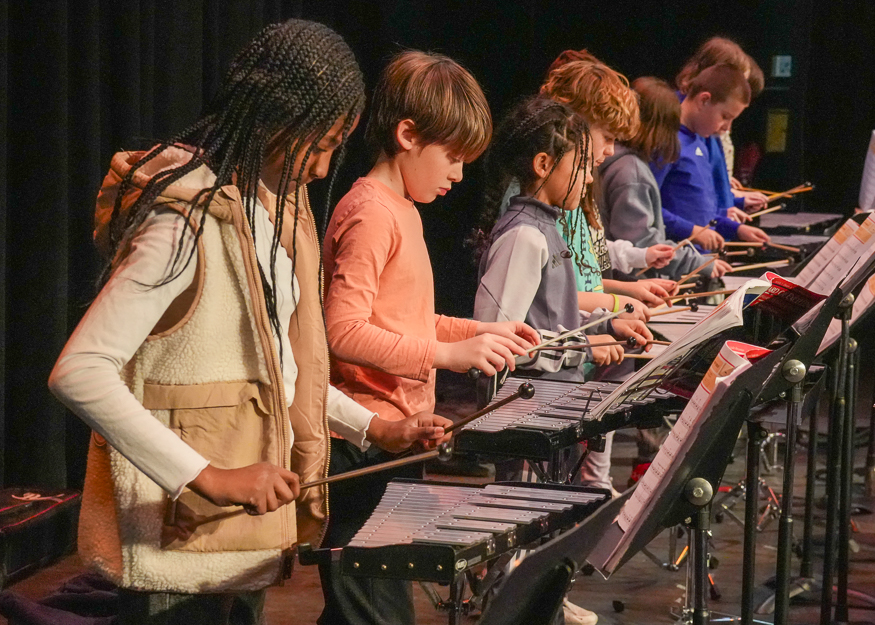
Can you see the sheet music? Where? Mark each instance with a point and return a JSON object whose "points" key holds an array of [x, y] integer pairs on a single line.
{"points": [[851, 250], [867, 186], [727, 315], [810, 272], [800, 221], [862, 304], [686, 316], [733, 358]]}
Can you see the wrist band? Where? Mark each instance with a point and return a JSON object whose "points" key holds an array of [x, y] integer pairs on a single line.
{"points": [[616, 308]]}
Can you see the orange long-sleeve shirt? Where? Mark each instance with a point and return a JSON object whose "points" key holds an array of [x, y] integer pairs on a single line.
{"points": [[379, 303]]}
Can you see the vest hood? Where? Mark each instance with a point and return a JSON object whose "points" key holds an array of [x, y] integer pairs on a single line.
{"points": [[182, 192]]}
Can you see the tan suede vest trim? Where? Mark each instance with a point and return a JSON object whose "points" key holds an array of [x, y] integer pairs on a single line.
{"points": [[310, 346]]}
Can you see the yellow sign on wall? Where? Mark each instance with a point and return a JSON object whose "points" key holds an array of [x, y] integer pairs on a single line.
{"points": [[776, 130]]}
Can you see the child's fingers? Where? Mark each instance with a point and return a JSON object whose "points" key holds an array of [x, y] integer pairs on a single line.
{"points": [[270, 501], [284, 494], [292, 481]]}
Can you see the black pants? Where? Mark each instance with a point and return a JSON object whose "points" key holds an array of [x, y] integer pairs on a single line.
{"points": [[359, 600], [162, 608]]}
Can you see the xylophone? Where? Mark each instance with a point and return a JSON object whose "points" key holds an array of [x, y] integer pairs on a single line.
{"points": [[556, 418], [434, 531]]}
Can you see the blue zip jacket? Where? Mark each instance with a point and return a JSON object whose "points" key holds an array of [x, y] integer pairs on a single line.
{"points": [[688, 191]]}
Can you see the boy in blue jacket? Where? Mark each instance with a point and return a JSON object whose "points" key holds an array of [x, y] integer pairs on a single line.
{"points": [[689, 197]]}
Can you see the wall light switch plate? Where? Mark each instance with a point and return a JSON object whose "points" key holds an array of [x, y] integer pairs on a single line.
{"points": [[782, 66]]}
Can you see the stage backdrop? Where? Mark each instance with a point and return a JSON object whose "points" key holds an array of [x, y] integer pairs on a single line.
{"points": [[82, 79]]}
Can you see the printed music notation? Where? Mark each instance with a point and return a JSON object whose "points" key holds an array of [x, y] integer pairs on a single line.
{"points": [[733, 358], [826, 253], [843, 261], [862, 305]]}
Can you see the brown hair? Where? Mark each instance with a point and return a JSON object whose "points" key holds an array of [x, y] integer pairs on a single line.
{"points": [[715, 51], [722, 82], [755, 78], [657, 136], [442, 98], [597, 93]]}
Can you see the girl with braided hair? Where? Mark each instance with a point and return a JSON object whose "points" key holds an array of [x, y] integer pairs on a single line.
{"points": [[202, 365], [527, 271]]}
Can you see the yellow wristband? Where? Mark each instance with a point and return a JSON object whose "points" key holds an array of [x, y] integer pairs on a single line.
{"points": [[616, 303]]}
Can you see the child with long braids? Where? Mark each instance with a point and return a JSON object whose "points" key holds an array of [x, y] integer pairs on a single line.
{"points": [[527, 271], [202, 364], [604, 99]]}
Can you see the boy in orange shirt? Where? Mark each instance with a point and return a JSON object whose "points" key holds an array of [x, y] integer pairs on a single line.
{"points": [[429, 117]]}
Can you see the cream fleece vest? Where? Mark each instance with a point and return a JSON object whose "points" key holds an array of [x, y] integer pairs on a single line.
{"points": [[221, 392]]}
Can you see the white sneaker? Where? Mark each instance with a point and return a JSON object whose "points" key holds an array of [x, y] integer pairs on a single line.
{"points": [[575, 615]]}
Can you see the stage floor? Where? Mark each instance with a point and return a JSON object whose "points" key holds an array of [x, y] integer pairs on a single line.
{"points": [[647, 592]]}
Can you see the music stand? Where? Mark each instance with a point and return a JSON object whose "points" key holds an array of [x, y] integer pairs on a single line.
{"points": [[685, 498]]}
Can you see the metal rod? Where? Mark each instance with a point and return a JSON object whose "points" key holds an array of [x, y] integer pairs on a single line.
{"points": [[806, 566], [836, 428], [526, 391], [847, 472], [794, 372], [755, 434]]}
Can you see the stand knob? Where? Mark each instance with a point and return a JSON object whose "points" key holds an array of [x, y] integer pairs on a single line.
{"points": [[793, 371], [698, 491], [852, 345], [445, 452]]}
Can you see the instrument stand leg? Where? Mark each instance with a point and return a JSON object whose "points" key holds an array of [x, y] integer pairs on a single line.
{"points": [[755, 433], [847, 472], [696, 610], [456, 603], [870, 456], [793, 372], [836, 434]]}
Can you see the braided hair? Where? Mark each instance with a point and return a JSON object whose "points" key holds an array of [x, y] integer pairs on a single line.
{"points": [[281, 95], [535, 125]]}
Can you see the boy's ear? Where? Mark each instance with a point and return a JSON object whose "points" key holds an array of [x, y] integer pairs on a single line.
{"points": [[703, 97], [541, 164], [405, 134]]}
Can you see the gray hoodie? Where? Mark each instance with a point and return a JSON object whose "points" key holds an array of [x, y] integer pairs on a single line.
{"points": [[632, 209]]}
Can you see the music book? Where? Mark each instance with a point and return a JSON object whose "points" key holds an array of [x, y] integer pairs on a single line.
{"points": [[867, 185], [679, 367], [862, 305], [847, 241], [733, 358]]}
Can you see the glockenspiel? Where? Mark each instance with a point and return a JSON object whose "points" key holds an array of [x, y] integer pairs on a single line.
{"points": [[557, 417], [435, 531]]}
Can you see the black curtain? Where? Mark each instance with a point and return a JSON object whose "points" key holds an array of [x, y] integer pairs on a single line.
{"points": [[81, 79], [85, 79]]}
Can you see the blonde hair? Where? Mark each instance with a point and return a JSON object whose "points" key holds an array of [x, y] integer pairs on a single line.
{"points": [[597, 93], [442, 98]]}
